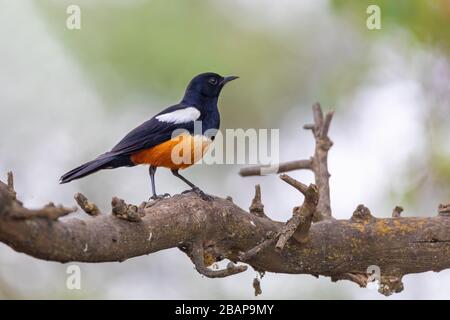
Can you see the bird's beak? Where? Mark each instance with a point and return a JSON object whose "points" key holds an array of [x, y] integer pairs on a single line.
{"points": [[228, 79]]}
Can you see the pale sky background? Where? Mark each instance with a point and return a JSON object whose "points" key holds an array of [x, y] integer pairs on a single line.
{"points": [[51, 118]]}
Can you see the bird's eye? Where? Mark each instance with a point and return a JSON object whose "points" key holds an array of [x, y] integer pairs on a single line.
{"points": [[212, 81]]}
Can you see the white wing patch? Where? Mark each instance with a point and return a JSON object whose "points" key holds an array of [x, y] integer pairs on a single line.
{"points": [[180, 116]]}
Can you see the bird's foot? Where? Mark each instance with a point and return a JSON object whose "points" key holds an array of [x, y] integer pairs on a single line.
{"points": [[200, 193], [159, 197]]}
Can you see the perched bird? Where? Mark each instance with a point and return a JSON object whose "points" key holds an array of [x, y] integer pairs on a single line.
{"points": [[152, 142]]}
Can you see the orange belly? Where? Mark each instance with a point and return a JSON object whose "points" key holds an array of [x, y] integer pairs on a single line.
{"points": [[177, 153]]}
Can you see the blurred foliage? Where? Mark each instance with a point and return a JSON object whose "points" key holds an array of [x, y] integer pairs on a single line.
{"points": [[132, 50], [135, 49], [439, 164], [155, 47], [428, 20], [429, 23]]}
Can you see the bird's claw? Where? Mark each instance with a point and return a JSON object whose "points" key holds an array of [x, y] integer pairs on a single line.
{"points": [[200, 193], [159, 197]]}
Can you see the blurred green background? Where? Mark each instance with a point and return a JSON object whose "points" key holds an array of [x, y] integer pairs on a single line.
{"points": [[68, 95]]}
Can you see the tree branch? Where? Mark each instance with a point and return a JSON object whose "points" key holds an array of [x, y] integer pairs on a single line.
{"points": [[396, 213], [197, 256], [444, 209], [257, 208], [14, 209], [209, 231], [320, 160], [298, 226], [318, 164], [282, 167], [87, 206], [335, 248], [392, 244]]}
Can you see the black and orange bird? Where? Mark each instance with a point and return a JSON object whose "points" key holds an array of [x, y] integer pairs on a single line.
{"points": [[152, 142]]}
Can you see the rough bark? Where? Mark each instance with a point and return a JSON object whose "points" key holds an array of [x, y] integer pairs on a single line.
{"points": [[209, 231]]}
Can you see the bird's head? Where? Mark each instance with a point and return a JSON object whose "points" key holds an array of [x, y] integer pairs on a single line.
{"points": [[206, 86]]}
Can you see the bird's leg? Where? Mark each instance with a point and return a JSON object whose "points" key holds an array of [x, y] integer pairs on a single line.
{"points": [[151, 171], [196, 189]]}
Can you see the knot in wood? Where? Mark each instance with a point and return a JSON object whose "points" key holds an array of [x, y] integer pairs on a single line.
{"points": [[362, 214]]}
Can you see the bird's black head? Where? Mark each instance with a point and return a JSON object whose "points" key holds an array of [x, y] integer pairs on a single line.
{"points": [[206, 86]]}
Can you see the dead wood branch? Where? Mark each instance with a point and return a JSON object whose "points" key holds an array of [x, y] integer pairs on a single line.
{"points": [[298, 226], [87, 206], [197, 256], [318, 164], [210, 231]]}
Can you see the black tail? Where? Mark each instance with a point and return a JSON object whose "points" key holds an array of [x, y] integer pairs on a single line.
{"points": [[105, 161]]}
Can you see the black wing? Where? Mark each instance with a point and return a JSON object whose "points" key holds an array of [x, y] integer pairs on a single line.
{"points": [[150, 133]]}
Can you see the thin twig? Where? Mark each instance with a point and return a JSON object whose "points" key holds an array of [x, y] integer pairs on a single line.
{"points": [[10, 183], [318, 117], [298, 226], [282, 167], [257, 208], [320, 161], [257, 286], [358, 278], [362, 214], [197, 257], [303, 188], [271, 239], [87, 206], [396, 213], [250, 254], [125, 211], [50, 211], [444, 209], [326, 124]]}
